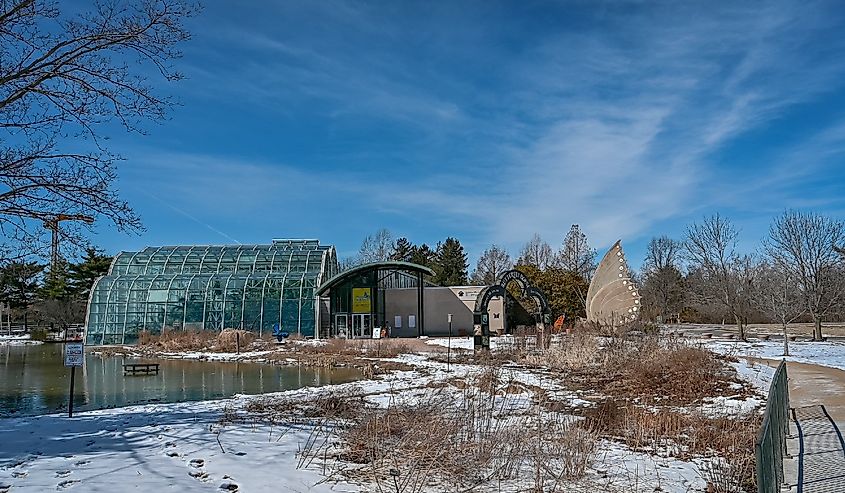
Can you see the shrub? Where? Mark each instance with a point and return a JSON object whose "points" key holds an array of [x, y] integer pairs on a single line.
{"points": [[38, 334]]}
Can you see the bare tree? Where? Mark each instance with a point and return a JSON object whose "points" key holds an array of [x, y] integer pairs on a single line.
{"points": [[711, 249], [779, 297], [62, 81], [804, 244], [576, 255], [377, 247], [663, 252], [536, 252], [492, 263], [663, 287]]}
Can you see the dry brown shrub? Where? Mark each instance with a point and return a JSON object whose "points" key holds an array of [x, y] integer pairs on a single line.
{"points": [[729, 441], [229, 339], [180, 340], [580, 350], [675, 370]]}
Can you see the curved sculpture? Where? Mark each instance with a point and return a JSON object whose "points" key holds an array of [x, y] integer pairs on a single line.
{"points": [[613, 298]]}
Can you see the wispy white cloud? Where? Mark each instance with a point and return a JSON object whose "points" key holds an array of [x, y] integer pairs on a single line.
{"points": [[615, 121]]}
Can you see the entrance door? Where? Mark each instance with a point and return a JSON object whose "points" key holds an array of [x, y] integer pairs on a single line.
{"points": [[340, 324], [361, 326]]}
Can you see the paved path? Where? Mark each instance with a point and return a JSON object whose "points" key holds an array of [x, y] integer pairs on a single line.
{"points": [[821, 454], [819, 447]]}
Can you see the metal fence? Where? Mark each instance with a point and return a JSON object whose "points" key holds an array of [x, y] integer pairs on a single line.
{"points": [[771, 442]]}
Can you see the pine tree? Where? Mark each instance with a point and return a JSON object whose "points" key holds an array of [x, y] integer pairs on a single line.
{"points": [[82, 275], [56, 283], [402, 250], [451, 263], [422, 255], [19, 283]]}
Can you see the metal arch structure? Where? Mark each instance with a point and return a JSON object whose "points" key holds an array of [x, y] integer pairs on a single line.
{"points": [[480, 315]]}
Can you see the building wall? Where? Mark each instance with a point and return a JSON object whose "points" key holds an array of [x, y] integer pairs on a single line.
{"points": [[439, 303]]}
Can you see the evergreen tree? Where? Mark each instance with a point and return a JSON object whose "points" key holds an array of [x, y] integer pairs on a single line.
{"points": [[562, 288], [423, 255], [19, 283], [451, 266], [402, 250], [82, 275], [56, 283]]}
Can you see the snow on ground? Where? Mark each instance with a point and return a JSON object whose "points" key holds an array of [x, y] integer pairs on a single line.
{"points": [[209, 356], [149, 448], [175, 446], [760, 376], [10, 340], [831, 354]]}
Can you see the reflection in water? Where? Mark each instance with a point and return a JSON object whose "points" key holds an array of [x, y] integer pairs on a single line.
{"points": [[33, 380]]}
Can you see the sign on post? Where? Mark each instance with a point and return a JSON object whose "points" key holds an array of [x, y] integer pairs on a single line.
{"points": [[74, 354], [377, 333]]}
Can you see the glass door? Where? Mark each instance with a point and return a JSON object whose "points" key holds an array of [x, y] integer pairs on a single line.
{"points": [[361, 325], [340, 322]]}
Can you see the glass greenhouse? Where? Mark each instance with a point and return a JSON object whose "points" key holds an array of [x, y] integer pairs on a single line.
{"points": [[252, 287]]}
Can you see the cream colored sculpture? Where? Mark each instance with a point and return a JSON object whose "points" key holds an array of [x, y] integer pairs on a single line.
{"points": [[613, 299]]}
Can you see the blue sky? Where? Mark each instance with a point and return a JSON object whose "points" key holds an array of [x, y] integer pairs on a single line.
{"points": [[491, 121]]}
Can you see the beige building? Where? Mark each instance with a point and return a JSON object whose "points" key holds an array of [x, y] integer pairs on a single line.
{"points": [[356, 302], [400, 306]]}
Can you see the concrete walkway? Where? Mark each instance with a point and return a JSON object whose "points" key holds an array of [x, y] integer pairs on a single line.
{"points": [[817, 395], [821, 452]]}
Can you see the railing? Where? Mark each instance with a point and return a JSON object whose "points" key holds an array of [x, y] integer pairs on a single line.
{"points": [[771, 442]]}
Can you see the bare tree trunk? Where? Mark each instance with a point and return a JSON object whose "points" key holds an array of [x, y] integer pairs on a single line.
{"points": [[785, 341], [817, 330], [741, 328]]}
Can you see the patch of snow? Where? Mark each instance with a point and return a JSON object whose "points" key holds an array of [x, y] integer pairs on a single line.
{"points": [[759, 376], [17, 340], [209, 356], [831, 354]]}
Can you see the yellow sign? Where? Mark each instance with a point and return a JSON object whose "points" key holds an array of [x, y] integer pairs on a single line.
{"points": [[361, 300]]}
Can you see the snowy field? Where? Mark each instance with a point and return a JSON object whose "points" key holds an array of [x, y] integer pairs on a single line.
{"points": [[175, 447], [831, 354], [182, 446]]}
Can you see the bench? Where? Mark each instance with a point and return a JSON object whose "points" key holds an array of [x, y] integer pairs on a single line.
{"points": [[136, 368]]}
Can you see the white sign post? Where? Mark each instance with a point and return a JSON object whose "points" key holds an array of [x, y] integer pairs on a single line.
{"points": [[449, 349], [74, 356]]}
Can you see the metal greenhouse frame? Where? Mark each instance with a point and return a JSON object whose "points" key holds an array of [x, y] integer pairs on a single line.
{"points": [[251, 287]]}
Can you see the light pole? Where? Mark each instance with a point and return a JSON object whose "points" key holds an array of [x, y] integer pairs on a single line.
{"points": [[449, 347]]}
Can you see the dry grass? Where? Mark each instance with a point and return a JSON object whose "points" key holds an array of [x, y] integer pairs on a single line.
{"points": [[644, 367], [464, 441], [729, 441], [225, 341]]}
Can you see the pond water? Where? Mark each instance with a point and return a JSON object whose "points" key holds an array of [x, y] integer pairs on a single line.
{"points": [[34, 380]]}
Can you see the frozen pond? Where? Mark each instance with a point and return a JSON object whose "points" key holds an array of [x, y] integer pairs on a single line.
{"points": [[34, 380]]}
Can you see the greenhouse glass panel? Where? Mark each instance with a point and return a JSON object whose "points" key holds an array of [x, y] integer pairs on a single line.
{"points": [[253, 287]]}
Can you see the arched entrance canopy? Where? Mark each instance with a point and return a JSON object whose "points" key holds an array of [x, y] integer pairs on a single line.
{"points": [[395, 265], [356, 302], [500, 289]]}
